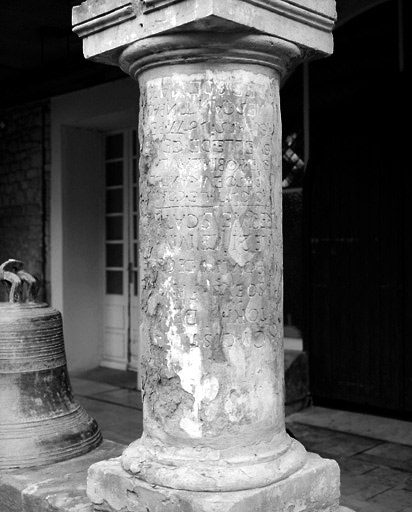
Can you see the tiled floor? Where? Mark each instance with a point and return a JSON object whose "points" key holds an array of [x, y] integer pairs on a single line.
{"points": [[374, 453], [111, 397]]}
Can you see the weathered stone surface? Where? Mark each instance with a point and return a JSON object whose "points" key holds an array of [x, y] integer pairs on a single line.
{"points": [[109, 26], [211, 261], [314, 488], [208, 223], [57, 487]]}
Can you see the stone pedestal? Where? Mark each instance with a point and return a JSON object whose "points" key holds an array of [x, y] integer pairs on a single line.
{"points": [[59, 487], [314, 488], [211, 276]]}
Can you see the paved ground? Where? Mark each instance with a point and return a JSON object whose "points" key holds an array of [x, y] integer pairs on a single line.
{"points": [[375, 454]]}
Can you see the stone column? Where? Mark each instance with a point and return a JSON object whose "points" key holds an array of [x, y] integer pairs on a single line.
{"points": [[211, 262], [211, 277]]}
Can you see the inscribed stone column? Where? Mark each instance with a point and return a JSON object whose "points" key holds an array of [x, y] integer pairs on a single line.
{"points": [[210, 260]]}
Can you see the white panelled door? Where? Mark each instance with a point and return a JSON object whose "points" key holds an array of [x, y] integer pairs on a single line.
{"points": [[121, 314]]}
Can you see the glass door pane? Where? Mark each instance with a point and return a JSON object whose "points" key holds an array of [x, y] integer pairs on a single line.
{"points": [[116, 317]]}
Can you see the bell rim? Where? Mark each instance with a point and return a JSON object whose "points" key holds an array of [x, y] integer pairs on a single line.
{"points": [[53, 449], [26, 305]]}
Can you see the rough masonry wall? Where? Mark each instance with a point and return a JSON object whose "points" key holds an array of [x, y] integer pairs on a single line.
{"points": [[24, 188]]}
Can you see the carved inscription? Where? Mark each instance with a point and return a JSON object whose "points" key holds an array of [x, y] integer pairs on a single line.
{"points": [[207, 170]]}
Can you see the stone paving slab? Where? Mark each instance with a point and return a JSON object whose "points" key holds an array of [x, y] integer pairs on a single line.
{"points": [[118, 378], [392, 451], [362, 506], [395, 500], [117, 422], [376, 475], [376, 427], [126, 397], [328, 441], [86, 387]]}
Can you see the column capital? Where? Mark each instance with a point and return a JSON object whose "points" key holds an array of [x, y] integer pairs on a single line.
{"points": [[225, 49], [108, 27]]}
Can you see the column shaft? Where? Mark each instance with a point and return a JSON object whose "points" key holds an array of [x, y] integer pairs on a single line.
{"points": [[211, 256]]}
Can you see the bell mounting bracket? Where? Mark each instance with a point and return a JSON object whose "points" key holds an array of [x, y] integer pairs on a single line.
{"points": [[22, 286]]}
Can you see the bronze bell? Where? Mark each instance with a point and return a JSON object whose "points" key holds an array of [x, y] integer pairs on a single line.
{"points": [[40, 422]]}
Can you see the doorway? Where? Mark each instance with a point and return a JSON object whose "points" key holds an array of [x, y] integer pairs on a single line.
{"points": [[121, 311], [359, 224]]}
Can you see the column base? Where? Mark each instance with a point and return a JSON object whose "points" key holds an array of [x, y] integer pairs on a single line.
{"points": [[211, 470], [314, 488]]}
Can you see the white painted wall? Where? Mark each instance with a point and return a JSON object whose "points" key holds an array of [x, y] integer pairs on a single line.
{"points": [[77, 209]]}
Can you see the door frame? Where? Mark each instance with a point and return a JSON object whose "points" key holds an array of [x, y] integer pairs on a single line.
{"points": [[121, 311]]}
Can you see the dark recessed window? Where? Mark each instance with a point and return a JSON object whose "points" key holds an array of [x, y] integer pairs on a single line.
{"points": [[114, 146], [114, 282]]}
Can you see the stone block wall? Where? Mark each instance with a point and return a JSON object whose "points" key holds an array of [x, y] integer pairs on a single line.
{"points": [[25, 189]]}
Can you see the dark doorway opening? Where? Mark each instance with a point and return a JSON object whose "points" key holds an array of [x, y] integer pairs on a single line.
{"points": [[358, 223]]}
